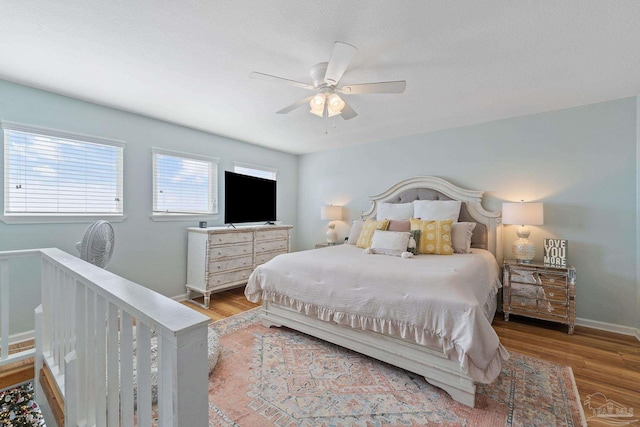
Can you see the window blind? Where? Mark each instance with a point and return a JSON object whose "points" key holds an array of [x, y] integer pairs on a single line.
{"points": [[48, 172], [184, 184], [257, 171]]}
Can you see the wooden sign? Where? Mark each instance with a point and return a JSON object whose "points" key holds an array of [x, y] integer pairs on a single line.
{"points": [[555, 252]]}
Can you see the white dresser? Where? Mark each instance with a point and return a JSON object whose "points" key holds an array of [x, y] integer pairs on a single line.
{"points": [[220, 258]]}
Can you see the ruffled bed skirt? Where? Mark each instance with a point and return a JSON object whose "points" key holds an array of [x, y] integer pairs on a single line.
{"points": [[393, 328]]}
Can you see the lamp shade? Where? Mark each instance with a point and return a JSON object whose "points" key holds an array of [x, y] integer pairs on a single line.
{"points": [[331, 212], [522, 213]]}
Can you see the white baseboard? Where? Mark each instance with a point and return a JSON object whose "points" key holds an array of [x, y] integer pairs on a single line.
{"points": [[609, 327], [22, 336], [181, 297]]}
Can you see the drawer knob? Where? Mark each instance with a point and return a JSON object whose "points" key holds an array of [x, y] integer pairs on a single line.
{"points": [[522, 304], [219, 267], [552, 280], [551, 294], [219, 253]]}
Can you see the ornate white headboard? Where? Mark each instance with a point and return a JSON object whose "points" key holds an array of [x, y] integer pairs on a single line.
{"points": [[487, 234]]}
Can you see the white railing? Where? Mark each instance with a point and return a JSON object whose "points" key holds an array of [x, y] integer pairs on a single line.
{"points": [[94, 329], [6, 340]]}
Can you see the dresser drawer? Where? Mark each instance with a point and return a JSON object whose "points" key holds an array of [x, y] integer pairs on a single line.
{"points": [[221, 252], [227, 238], [267, 256], [223, 279], [274, 245], [230, 264], [271, 234]]}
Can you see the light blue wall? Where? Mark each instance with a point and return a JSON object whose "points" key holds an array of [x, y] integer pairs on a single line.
{"points": [[580, 162], [150, 253], [637, 217]]}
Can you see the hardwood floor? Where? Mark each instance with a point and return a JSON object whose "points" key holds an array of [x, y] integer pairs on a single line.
{"points": [[602, 361]]}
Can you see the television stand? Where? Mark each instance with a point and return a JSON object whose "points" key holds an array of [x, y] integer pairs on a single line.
{"points": [[220, 258]]}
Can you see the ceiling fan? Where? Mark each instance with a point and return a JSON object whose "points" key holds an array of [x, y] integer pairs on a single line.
{"points": [[327, 102]]}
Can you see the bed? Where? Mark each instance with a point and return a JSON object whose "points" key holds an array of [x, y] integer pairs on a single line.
{"points": [[429, 314]]}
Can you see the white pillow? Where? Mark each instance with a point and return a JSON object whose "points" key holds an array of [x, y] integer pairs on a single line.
{"points": [[394, 211], [390, 242], [461, 236], [437, 209], [354, 233]]}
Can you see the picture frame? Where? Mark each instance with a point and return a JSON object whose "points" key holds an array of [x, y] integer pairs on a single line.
{"points": [[555, 252]]}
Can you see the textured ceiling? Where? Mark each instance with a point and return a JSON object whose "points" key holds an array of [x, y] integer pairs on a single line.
{"points": [[188, 61]]}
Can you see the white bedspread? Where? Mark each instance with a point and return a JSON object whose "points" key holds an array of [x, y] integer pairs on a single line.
{"points": [[425, 299]]}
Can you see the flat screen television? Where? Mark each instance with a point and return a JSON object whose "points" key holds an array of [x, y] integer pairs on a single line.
{"points": [[248, 199]]}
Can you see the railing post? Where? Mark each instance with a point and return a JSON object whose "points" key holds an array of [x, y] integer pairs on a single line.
{"points": [[4, 308], [39, 358], [183, 387], [71, 390]]}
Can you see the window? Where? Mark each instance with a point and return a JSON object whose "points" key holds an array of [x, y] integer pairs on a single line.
{"points": [[257, 171], [54, 173], [184, 183]]}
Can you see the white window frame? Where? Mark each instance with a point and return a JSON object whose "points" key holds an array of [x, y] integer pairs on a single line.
{"points": [[273, 171], [213, 187], [32, 218]]}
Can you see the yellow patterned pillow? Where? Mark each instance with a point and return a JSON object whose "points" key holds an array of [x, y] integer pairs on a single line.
{"points": [[435, 236], [370, 225]]}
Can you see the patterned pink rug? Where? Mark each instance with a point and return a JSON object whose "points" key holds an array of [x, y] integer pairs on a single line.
{"points": [[279, 377]]}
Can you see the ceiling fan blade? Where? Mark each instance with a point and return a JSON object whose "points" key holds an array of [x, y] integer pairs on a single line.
{"points": [[341, 57], [295, 105], [347, 112], [268, 77], [378, 87]]}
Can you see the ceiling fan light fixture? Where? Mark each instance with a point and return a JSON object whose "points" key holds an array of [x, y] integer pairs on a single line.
{"points": [[317, 104], [336, 104]]}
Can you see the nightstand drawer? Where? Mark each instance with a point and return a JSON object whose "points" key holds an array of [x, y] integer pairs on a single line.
{"points": [[554, 294], [556, 308], [526, 290], [523, 303], [551, 279]]}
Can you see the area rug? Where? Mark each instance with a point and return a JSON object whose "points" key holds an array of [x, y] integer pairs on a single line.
{"points": [[279, 377], [18, 407]]}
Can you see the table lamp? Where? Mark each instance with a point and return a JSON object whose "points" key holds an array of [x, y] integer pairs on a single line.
{"points": [[331, 213], [523, 214]]}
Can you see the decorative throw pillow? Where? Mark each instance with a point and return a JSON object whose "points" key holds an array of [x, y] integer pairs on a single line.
{"points": [[399, 225], [370, 225], [435, 236], [461, 233], [356, 229], [390, 242], [437, 209], [394, 211]]}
